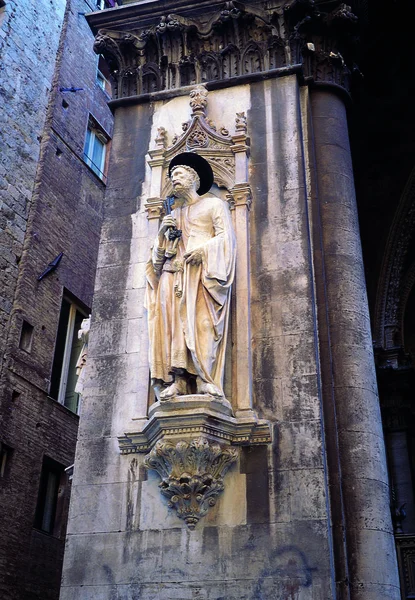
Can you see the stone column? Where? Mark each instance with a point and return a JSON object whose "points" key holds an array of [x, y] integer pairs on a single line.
{"points": [[347, 363]]}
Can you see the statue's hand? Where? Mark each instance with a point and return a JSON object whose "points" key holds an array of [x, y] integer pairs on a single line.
{"points": [[166, 223], [194, 258]]}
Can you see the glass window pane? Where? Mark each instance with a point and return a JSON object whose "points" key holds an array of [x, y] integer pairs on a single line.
{"points": [[97, 156], [87, 145], [50, 501], [101, 80], [59, 350], [72, 397]]}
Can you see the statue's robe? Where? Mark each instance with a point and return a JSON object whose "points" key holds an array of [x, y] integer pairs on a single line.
{"points": [[188, 306]]}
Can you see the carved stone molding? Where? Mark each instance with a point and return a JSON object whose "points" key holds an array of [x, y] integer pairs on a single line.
{"points": [[324, 41], [228, 41], [176, 51], [226, 154], [191, 474], [405, 546], [154, 208], [195, 415], [240, 195]]}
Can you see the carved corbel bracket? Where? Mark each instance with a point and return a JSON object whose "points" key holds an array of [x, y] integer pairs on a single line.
{"points": [[191, 474], [190, 441]]}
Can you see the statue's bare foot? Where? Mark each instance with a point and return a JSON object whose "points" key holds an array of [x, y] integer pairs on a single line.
{"points": [[203, 387], [158, 386], [177, 388]]}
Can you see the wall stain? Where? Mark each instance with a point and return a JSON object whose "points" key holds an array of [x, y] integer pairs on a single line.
{"points": [[285, 580]]}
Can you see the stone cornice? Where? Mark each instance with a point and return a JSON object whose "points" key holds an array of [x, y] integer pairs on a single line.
{"points": [[147, 12], [152, 51]]}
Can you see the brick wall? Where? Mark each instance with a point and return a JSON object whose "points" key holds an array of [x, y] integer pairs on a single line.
{"points": [[58, 207], [27, 58]]}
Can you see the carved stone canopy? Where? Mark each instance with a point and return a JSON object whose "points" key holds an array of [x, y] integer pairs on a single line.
{"points": [[210, 140], [201, 135], [233, 39]]}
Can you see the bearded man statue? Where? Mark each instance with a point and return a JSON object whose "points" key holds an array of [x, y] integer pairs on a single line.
{"points": [[189, 281]]}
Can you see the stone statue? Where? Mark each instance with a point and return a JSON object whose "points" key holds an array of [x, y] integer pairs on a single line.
{"points": [[189, 281], [83, 334]]}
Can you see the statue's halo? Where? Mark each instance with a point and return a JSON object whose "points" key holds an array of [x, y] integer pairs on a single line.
{"points": [[199, 164]]}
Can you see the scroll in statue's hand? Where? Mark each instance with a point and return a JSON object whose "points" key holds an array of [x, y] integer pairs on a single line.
{"points": [[194, 258]]}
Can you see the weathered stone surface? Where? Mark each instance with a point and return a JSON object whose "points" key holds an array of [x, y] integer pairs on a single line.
{"points": [[349, 380], [276, 495]]}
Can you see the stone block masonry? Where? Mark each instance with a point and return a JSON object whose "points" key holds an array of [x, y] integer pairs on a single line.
{"points": [[301, 517], [51, 202], [272, 515]]}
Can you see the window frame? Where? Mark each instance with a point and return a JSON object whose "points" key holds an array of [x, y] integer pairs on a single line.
{"points": [[104, 4], [74, 308], [49, 467], [5, 456], [67, 354], [95, 133], [102, 80]]}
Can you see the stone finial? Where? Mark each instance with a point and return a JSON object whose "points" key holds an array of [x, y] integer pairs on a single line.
{"points": [[161, 137], [191, 474], [240, 122], [198, 100]]}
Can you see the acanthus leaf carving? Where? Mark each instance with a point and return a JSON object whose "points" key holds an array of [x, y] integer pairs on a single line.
{"points": [[191, 474], [198, 100]]}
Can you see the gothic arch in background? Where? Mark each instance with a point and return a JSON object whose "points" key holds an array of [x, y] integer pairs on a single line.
{"points": [[397, 275], [394, 339]]}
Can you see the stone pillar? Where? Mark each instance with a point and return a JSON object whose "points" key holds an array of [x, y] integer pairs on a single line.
{"points": [[242, 380], [348, 367], [241, 200]]}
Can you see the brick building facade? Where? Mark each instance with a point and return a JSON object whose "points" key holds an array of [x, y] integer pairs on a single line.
{"points": [[54, 135]]}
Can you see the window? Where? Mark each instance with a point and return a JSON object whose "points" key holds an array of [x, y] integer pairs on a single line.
{"points": [[51, 487], [26, 337], [103, 75], [103, 4], [5, 454], [2, 11], [95, 148], [68, 350]]}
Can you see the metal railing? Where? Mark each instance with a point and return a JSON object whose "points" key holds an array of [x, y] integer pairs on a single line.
{"points": [[94, 167]]}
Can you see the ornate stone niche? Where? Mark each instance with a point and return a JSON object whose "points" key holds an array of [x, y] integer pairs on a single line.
{"points": [[191, 439]]}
